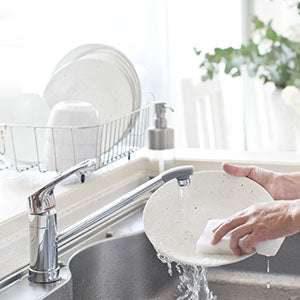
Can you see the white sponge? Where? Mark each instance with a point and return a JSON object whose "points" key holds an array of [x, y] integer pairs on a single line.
{"points": [[267, 248]]}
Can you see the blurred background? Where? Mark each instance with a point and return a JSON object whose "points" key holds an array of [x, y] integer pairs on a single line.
{"points": [[159, 37]]}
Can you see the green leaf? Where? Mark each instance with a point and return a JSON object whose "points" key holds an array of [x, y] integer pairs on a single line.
{"points": [[236, 74], [264, 78], [271, 34], [229, 67], [258, 23], [198, 52]]}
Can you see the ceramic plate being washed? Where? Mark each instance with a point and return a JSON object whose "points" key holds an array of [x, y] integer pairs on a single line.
{"points": [[173, 223]]}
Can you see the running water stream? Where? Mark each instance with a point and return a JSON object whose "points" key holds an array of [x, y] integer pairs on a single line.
{"points": [[193, 283], [268, 274]]}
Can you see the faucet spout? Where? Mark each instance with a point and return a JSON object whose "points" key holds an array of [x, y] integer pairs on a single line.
{"points": [[182, 174]]}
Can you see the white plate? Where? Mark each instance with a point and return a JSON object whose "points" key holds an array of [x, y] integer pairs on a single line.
{"points": [[75, 54], [99, 82], [103, 52], [174, 224], [110, 55]]}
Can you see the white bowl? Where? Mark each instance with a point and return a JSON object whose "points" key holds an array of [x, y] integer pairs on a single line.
{"points": [[73, 113], [75, 125], [68, 151]]}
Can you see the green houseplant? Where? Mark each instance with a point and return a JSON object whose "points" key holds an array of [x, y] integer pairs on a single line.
{"points": [[273, 58], [269, 55]]}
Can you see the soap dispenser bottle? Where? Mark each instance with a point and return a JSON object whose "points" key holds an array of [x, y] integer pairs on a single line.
{"points": [[161, 138]]}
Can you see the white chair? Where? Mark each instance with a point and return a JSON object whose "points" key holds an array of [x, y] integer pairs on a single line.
{"points": [[204, 114]]}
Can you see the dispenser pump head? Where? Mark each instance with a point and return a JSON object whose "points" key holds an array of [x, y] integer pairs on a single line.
{"points": [[160, 115]]}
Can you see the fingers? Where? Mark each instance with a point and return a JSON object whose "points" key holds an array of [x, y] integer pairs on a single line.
{"points": [[235, 237], [224, 228], [215, 229], [250, 241]]}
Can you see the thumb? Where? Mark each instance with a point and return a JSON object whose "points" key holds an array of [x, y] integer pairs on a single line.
{"points": [[237, 170]]}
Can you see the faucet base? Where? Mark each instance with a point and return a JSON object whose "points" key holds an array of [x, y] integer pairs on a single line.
{"points": [[44, 276]]}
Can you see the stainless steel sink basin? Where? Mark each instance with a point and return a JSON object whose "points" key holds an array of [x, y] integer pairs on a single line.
{"points": [[127, 268], [121, 268]]}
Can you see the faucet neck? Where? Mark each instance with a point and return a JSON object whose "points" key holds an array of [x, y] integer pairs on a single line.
{"points": [[44, 267]]}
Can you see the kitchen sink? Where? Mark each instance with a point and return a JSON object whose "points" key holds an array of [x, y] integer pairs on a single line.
{"points": [[114, 260], [126, 267]]}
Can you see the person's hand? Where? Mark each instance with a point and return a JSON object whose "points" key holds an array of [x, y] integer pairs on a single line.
{"points": [[261, 221], [281, 186]]}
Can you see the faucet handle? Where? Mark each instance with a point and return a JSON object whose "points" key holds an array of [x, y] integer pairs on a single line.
{"points": [[43, 200]]}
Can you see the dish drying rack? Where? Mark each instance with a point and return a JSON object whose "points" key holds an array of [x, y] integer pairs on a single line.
{"points": [[115, 139]]}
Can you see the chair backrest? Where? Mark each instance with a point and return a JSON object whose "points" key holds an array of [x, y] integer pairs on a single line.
{"points": [[204, 113]]}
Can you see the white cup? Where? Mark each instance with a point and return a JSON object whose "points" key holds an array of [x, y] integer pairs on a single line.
{"points": [[73, 134]]}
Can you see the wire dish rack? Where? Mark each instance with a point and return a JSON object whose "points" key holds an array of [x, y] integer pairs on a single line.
{"points": [[57, 148]]}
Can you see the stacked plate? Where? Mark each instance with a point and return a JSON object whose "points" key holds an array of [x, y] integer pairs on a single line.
{"points": [[102, 76], [110, 55], [99, 74]]}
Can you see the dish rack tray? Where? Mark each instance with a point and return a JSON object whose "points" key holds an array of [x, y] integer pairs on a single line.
{"points": [[114, 140]]}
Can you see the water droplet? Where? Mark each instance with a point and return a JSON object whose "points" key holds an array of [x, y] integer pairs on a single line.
{"points": [[181, 192], [164, 259], [268, 273]]}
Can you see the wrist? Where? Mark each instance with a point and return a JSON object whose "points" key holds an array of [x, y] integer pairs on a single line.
{"points": [[287, 185]]}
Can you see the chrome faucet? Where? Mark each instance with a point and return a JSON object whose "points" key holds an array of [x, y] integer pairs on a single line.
{"points": [[43, 228], [44, 237]]}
